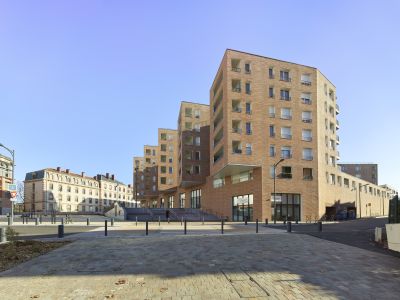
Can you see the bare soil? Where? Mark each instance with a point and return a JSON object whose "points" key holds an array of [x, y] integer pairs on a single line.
{"points": [[12, 254]]}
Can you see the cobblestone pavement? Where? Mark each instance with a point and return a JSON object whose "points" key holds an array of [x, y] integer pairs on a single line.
{"points": [[251, 266]]}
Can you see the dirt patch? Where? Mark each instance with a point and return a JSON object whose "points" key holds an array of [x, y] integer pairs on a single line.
{"points": [[12, 254]]}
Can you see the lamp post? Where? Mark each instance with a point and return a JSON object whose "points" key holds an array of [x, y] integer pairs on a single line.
{"points": [[275, 165], [359, 195], [12, 152]]}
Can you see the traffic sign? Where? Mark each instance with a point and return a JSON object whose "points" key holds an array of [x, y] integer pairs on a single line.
{"points": [[13, 194], [12, 187]]}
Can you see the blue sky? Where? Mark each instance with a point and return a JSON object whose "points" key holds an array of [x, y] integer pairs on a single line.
{"points": [[81, 82]]}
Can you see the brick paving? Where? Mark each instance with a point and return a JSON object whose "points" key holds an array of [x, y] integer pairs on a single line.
{"points": [[244, 266]]}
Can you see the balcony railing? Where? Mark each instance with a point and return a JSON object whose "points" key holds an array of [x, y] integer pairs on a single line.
{"points": [[285, 175], [286, 98], [236, 109], [305, 82], [271, 76], [286, 117], [307, 138], [308, 177], [307, 120], [248, 92], [248, 112], [237, 130], [286, 136], [237, 151], [287, 79], [308, 157], [306, 101], [272, 96], [236, 89], [235, 69]]}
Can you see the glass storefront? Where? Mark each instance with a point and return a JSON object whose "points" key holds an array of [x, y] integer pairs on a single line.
{"points": [[242, 207], [287, 207]]}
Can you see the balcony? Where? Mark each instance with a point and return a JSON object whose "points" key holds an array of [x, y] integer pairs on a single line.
{"points": [[235, 63], [306, 101], [237, 151], [305, 82], [284, 78], [249, 131], [236, 126], [337, 109], [337, 140], [307, 120], [285, 175], [218, 137], [236, 147], [237, 130], [337, 124], [236, 86], [236, 69], [286, 98]]}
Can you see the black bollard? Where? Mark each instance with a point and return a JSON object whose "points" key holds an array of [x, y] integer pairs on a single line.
{"points": [[36, 221], [147, 227], [245, 220], [203, 220], [23, 220], [112, 221], [297, 221], [60, 231], [284, 222], [289, 227], [136, 221], [256, 225], [168, 220], [40, 219], [319, 226], [87, 221], [266, 221], [184, 228], [181, 221], [159, 221], [222, 226], [8, 220], [105, 227]]}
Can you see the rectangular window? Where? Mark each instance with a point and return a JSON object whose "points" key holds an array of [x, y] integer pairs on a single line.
{"points": [[163, 136], [182, 197], [271, 92], [163, 158], [306, 98], [163, 147], [286, 133], [248, 108], [170, 170], [248, 128], [248, 149], [197, 140], [197, 114], [218, 182], [306, 116], [271, 130], [248, 88], [247, 68], [307, 174], [188, 112], [271, 73], [332, 179], [163, 169], [307, 154], [284, 76], [285, 95], [242, 207], [286, 113], [196, 170], [286, 172], [286, 152], [163, 180], [244, 176], [195, 198], [197, 155], [188, 125], [306, 135], [271, 111], [272, 150], [305, 79]]}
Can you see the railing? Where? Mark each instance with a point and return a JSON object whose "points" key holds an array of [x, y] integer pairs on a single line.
{"points": [[286, 155], [248, 112], [307, 120], [287, 79], [217, 142], [308, 177], [286, 98], [307, 138], [236, 89], [248, 92], [235, 69], [286, 136], [306, 101], [249, 151], [286, 117], [307, 157], [305, 82], [272, 134], [236, 109], [272, 96], [285, 175], [237, 151], [237, 130], [247, 71]]}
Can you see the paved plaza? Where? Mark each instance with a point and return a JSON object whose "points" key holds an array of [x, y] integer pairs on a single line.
{"points": [[203, 265]]}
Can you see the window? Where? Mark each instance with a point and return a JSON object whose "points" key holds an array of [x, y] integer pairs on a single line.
{"points": [[307, 154], [188, 140], [248, 88], [339, 180], [271, 92], [244, 176], [286, 113], [182, 197], [170, 148], [196, 170], [170, 201], [306, 135], [170, 160], [197, 127], [307, 174], [218, 182], [271, 130], [197, 114], [271, 73], [305, 79], [248, 149], [163, 136], [306, 116], [163, 169], [285, 95], [248, 108], [306, 98], [188, 125], [51, 186], [286, 152], [272, 150], [170, 169], [163, 147], [286, 133], [197, 141], [332, 161], [284, 76], [197, 155], [286, 172], [188, 154], [195, 198], [271, 111], [163, 180], [332, 179], [272, 171], [242, 207], [247, 69], [163, 158], [188, 112], [248, 128]]}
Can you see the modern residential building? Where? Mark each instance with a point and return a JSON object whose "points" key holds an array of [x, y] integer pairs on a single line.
{"points": [[55, 190], [5, 179], [365, 171], [273, 147], [167, 158]]}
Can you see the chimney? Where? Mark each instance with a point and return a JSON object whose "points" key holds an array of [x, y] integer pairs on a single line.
{"points": [[83, 174], [112, 177], [58, 169], [107, 175], [67, 171]]}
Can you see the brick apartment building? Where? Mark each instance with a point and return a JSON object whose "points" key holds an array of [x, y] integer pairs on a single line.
{"points": [[365, 171], [266, 146]]}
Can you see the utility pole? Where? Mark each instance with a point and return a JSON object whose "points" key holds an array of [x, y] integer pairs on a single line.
{"points": [[275, 165]]}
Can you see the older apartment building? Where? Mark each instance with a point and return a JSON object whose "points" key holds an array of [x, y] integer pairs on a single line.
{"points": [[273, 147], [5, 179], [55, 190]]}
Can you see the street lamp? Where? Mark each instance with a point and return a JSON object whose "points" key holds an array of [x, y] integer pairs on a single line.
{"points": [[275, 165], [12, 152], [359, 195]]}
